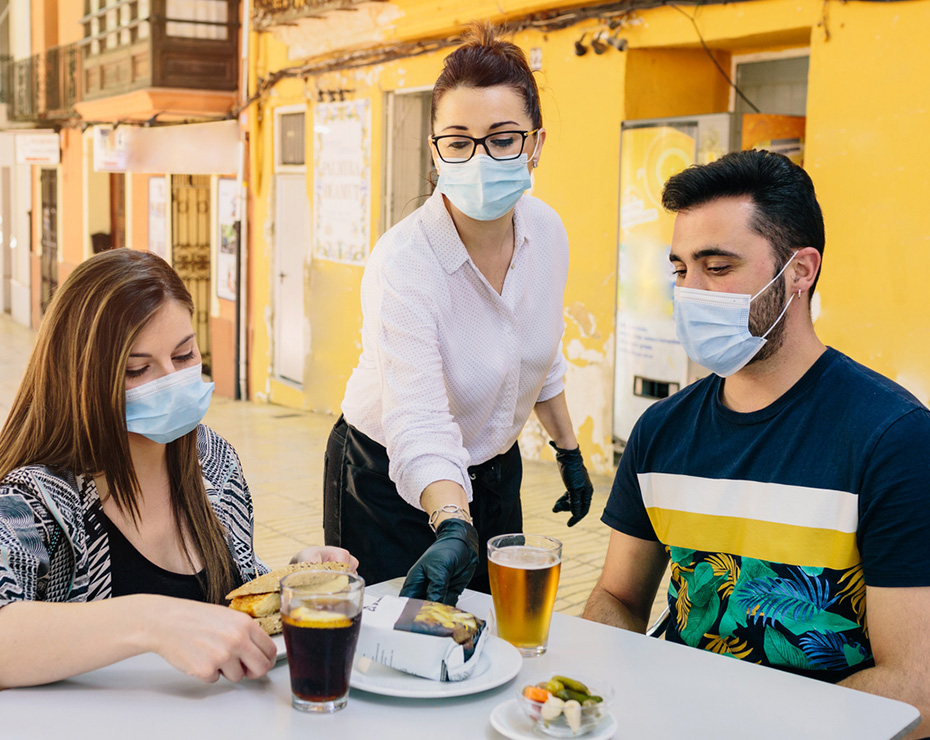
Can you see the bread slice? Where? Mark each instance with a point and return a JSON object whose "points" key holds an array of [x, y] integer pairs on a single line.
{"points": [[258, 605], [260, 598], [271, 624], [272, 581]]}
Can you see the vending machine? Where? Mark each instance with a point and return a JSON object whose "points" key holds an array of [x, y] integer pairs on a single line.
{"points": [[650, 363]]}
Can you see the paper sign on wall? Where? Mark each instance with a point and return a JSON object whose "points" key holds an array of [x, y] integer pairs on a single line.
{"points": [[38, 148], [342, 181]]}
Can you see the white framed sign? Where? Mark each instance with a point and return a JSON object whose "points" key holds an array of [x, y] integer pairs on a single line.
{"points": [[111, 147], [43, 148], [342, 181], [158, 222], [227, 231]]}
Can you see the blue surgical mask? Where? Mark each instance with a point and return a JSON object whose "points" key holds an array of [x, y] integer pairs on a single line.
{"points": [[713, 327], [484, 188], [167, 408]]}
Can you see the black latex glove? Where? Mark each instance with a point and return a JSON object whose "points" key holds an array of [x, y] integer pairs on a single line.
{"points": [[577, 497], [444, 570]]}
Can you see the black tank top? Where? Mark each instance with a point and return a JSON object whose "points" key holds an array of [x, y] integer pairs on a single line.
{"points": [[132, 573]]}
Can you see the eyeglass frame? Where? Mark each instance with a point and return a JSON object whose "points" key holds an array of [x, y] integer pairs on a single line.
{"points": [[483, 142]]}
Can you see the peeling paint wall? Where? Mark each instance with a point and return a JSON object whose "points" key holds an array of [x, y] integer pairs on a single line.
{"points": [[860, 151]]}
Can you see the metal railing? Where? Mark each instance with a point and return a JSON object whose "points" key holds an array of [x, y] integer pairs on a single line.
{"points": [[267, 13], [44, 86], [6, 79]]}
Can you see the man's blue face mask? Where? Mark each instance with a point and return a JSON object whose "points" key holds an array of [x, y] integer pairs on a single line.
{"points": [[713, 327], [169, 407]]}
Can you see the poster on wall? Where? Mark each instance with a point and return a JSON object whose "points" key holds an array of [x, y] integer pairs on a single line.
{"points": [[342, 181], [158, 227], [227, 214], [647, 353], [111, 147]]}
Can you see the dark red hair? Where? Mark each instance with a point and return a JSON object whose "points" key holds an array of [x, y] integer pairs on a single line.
{"points": [[485, 60]]}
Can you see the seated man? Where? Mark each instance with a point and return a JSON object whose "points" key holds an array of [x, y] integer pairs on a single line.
{"points": [[790, 489]]}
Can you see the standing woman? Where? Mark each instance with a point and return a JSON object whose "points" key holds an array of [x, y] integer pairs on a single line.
{"points": [[123, 521], [461, 340]]}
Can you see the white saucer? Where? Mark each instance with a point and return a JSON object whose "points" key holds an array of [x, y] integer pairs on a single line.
{"points": [[278, 641], [509, 720], [498, 663]]}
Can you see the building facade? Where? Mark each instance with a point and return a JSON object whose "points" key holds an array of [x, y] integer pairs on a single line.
{"points": [[632, 92], [137, 145]]}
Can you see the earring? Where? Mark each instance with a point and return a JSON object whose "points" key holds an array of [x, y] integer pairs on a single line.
{"points": [[799, 294]]}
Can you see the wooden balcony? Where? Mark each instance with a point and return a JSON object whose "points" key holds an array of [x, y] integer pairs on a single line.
{"points": [[124, 51], [163, 52], [268, 13]]}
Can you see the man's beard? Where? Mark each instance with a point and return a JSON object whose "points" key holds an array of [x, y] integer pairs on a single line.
{"points": [[763, 313]]}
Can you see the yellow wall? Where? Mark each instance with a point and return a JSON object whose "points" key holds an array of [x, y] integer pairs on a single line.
{"points": [[867, 153], [867, 108]]}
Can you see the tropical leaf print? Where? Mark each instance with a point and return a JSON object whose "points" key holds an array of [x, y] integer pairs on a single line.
{"points": [[727, 646], [854, 590], [680, 561], [780, 652], [725, 565], [777, 599], [831, 651], [682, 606]]}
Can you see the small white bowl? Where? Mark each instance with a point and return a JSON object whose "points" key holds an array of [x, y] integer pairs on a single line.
{"points": [[591, 716]]}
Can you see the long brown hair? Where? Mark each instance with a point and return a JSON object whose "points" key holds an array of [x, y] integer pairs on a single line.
{"points": [[70, 411], [485, 60]]}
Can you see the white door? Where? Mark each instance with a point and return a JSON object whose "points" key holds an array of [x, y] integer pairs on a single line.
{"points": [[292, 237]]}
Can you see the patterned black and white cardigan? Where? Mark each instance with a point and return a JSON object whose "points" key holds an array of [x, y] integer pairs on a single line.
{"points": [[53, 543]]}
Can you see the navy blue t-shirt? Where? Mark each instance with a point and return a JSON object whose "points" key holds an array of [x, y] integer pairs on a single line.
{"points": [[776, 520]]}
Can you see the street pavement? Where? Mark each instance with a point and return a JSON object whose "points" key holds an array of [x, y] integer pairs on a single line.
{"points": [[282, 455]]}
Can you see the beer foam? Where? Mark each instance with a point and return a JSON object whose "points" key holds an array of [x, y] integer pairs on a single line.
{"points": [[527, 558], [303, 616]]}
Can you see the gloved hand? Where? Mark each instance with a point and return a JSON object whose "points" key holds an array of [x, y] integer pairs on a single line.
{"points": [[577, 497], [444, 570]]}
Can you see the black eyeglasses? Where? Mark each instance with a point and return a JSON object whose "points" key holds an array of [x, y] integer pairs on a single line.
{"points": [[501, 145]]}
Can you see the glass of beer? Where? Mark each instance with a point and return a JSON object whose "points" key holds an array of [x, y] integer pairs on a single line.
{"points": [[524, 573], [321, 613]]}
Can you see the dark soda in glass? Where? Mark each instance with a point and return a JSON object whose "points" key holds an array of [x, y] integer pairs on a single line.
{"points": [[320, 650]]}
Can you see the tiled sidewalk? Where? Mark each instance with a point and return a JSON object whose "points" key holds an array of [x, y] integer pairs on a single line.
{"points": [[282, 455]]}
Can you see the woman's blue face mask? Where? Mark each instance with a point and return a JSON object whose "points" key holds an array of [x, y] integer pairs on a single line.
{"points": [[167, 408]]}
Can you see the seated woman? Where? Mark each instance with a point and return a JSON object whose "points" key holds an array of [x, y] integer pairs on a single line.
{"points": [[123, 520]]}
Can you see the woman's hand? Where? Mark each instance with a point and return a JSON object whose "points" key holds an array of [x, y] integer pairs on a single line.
{"points": [[326, 554], [206, 640]]}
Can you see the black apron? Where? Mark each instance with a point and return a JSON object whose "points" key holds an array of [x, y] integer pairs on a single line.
{"points": [[364, 513]]}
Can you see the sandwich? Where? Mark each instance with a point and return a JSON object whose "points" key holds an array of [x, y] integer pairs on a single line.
{"points": [[261, 598]]}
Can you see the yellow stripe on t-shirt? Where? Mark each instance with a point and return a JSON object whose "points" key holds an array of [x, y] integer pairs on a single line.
{"points": [[779, 503], [778, 543]]}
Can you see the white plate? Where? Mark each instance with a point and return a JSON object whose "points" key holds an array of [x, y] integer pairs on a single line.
{"points": [[509, 720], [278, 641], [499, 662]]}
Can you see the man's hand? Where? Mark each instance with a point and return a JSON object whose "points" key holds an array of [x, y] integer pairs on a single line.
{"points": [[444, 570], [577, 496]]}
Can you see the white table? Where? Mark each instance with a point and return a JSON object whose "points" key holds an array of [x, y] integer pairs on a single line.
{"points": [[664, 691]]}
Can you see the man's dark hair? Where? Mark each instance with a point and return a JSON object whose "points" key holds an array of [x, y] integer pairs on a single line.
{"points": [[786, 210]]}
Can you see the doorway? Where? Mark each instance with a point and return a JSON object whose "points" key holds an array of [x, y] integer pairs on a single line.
{"points": [[292, 229], [48, 262], [190, 250], [292, 242], [410, 176], [774, 85], [6, 249]]}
